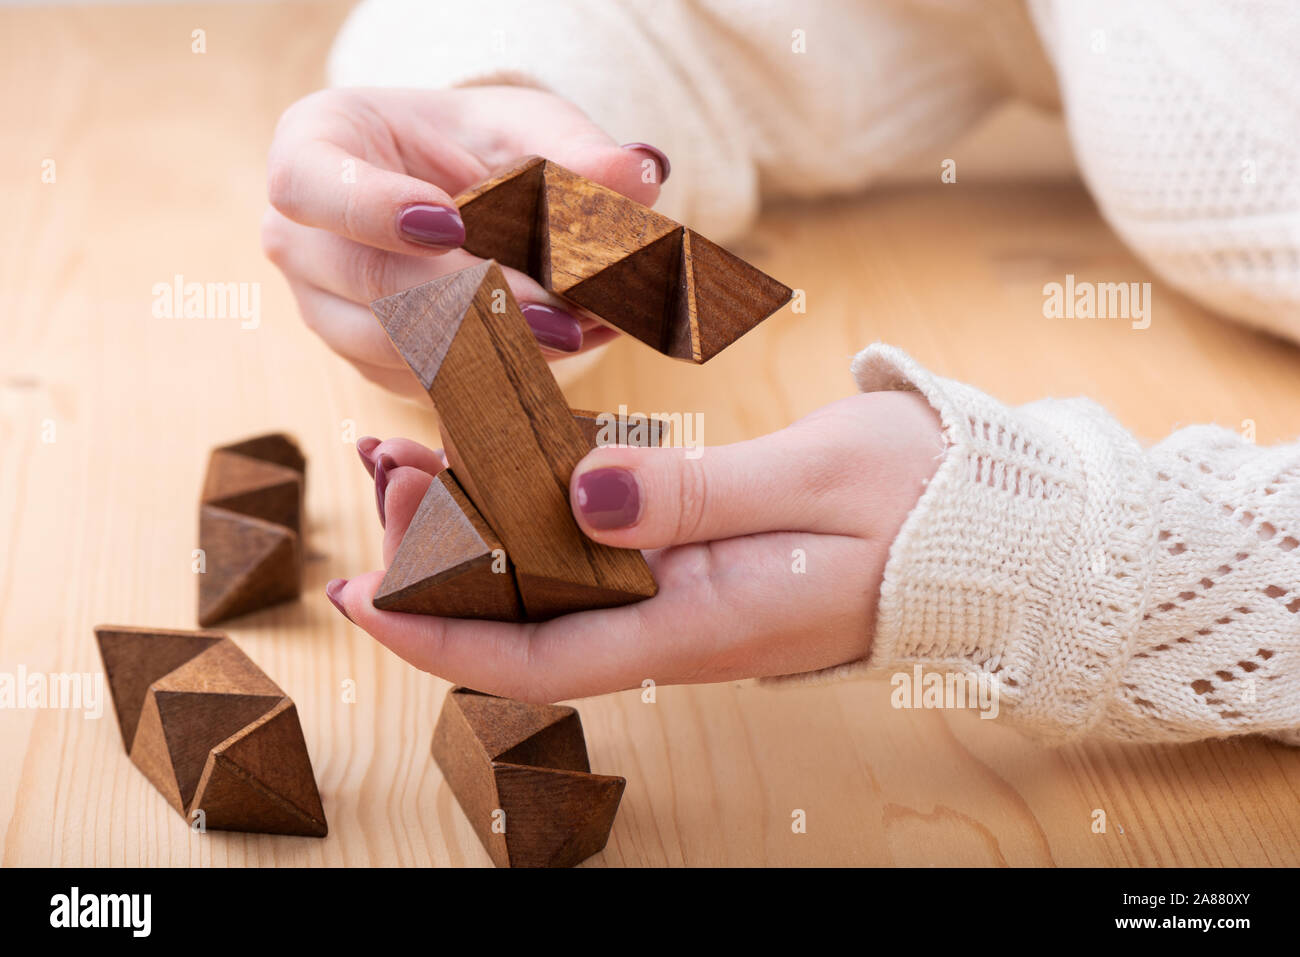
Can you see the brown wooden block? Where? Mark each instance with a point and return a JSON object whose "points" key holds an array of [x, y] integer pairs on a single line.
{"points": [[211, 730], [635, 269], [635, 430], [524, 767], [250, 527], [251, 565], [450, 563], [515, 441]]}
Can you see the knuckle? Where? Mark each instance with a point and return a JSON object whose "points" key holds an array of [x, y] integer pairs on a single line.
{"points": [[275, 237], [373, 272], [692, 499]]}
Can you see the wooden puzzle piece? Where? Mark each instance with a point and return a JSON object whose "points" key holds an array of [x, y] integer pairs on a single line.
{"points": [[521, 775], [515, 441], [450, 562], [211, 731], [250, 527], [635, 269]]}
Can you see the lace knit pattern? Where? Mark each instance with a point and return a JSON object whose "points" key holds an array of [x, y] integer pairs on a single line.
{"points": [[1142, 596]]}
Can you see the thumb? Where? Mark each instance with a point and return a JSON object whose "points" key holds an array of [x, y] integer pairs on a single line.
{"points": [[656, 497]]}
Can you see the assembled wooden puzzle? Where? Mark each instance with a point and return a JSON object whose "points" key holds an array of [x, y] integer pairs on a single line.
{"points": [[211, 731]]}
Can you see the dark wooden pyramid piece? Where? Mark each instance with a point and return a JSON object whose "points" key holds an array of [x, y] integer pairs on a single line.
{"points": [[263, 777], [251, 565], [448, 562], [212, 731], [632, 429], [528, 763], [666, 285], [250, 527], [514, 440]]}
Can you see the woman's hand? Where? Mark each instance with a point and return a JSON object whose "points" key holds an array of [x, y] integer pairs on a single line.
{"points": [[768, 553], [361, 185]]}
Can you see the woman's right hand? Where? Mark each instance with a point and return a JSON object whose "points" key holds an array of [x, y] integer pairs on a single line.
{"points": [[360, 184]]}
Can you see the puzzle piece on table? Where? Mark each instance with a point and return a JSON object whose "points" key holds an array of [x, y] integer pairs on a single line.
{"points": [[211, 731], [515, 439], [637, 270], [250, 527], [450, 563], [521, 775]]}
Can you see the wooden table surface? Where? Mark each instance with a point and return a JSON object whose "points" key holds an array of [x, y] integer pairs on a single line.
{"points": [[159, 157]]}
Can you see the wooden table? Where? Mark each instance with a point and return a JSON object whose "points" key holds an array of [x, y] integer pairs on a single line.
{"points": [[159, 160]]}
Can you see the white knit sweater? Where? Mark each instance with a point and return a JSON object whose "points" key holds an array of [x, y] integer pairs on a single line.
{"points": [[1141, 595]]}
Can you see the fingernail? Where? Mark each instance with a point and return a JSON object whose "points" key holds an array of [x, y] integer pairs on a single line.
{"points": [[332, 592], [609, 498], [660, 157], [553, 327], [432, 225], [365, 446], [384, 466]]}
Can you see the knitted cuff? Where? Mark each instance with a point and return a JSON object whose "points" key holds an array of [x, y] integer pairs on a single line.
{"points": [[1026, 556]]}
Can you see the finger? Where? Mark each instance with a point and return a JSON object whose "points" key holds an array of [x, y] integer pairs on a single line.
{"points": [[723, 612], [654, 497], [409, 453], [361, 274], [313, 180], [403, 489]]}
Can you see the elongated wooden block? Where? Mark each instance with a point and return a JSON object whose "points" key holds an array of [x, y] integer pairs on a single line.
{"points": [[635, 269], [515, 440], [211, 730], [521, 775]]}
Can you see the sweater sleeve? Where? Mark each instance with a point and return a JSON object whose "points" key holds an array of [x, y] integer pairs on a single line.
{"points": [[1141, 595], [748, 99]]}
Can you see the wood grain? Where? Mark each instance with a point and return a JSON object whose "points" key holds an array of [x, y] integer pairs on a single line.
{"points": [[631, 267], [510, 436], [521, 775], [161, 160], [218, 738]]}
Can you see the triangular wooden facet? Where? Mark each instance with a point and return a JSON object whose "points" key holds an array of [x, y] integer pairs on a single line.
{"points": [[422, 322], [726, 298], [149, 753], [641, 288], [502, 215], [232, 800], [261, 779], [635, 430], [563, 817], [134, 658], [447, 562], [503, 725], [589, 227], [253, 487], [194, 723], [250, 564], [220, 669], [277, 448]]}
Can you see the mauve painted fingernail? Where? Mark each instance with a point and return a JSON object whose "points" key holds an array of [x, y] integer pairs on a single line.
{"points": [[332, 592], [553, 328], [365, 446], [385, 465], [432, 225], [609, 498], [664, 166]]}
